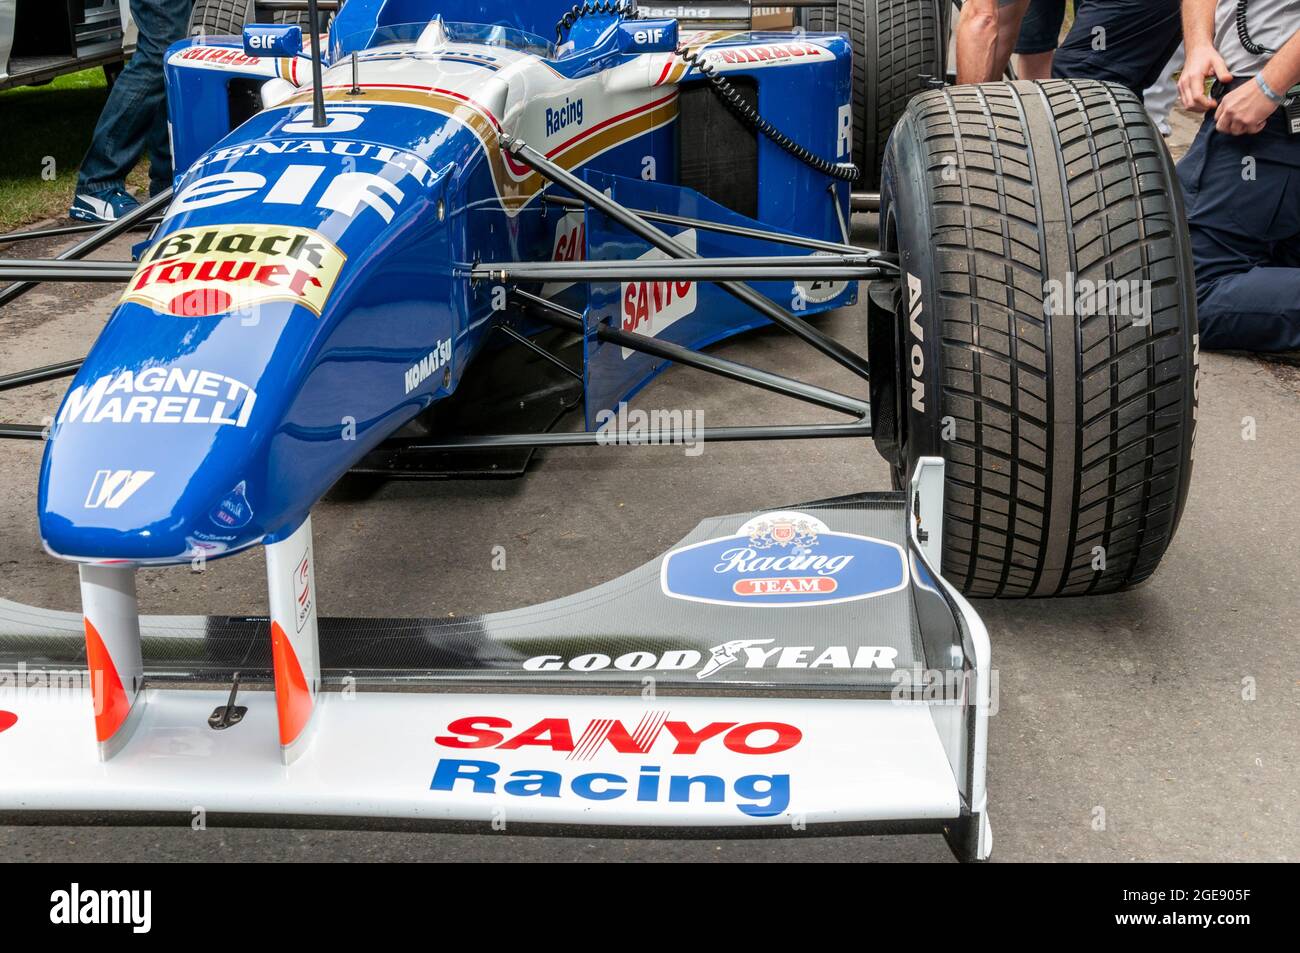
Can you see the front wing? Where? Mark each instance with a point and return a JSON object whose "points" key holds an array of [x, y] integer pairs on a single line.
{"points": [[765, 701]]}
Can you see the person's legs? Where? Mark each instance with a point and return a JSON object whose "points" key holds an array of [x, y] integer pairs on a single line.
{"points": [[1163, 93], [1255, 311], [1011, 13], [1120, 41], [1034, 65], [175, 15], [986, 33], [135, 114], [159, 143], [1040, 31], [1243, 215]]}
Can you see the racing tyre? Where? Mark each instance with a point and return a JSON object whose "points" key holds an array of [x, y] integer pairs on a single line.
{"points": [[1041, 336], [898, 49], [228, 17], [299, 18], [221, 17]]}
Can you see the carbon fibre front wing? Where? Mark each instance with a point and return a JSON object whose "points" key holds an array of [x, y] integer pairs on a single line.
{"points": [[798, 671]]}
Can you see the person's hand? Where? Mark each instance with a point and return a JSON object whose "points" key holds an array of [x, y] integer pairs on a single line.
{"points": [[1202, 61], [1244, 111]]}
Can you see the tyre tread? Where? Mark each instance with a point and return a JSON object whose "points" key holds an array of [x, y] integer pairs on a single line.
{"points": [[997, 238]]}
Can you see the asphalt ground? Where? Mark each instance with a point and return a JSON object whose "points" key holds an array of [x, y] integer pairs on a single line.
{"points": [[1158, 724]]}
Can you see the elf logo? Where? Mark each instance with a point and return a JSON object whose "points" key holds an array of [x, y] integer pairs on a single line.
{"points": [[916, 359], [654, 728], [111, 488], [346, 192]]}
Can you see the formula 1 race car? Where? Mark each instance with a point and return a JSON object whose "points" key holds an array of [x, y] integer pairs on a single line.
{"points": [[388, 240]]}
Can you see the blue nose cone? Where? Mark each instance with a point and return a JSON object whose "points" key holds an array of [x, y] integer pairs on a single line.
{"points": [[267, 340], [159, 450]]}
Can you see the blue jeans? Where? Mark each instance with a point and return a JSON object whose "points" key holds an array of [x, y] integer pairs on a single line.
{"points": [[135, 116]]}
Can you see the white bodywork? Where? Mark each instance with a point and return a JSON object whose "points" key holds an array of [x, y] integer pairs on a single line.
{"points": [[375, 755]]}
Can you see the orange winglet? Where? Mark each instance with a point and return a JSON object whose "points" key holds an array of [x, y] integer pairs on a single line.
{"points": [[293, 700], [111, 704]]}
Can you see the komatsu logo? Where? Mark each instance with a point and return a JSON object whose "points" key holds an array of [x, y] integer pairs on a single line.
{"points": [[570, 114], [159, 395], [916, 359], [429, 365]]}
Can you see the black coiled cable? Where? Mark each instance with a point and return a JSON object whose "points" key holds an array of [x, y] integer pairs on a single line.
{"points": [[844, 171], [621, 8], [743, 111], [1243, 34]]}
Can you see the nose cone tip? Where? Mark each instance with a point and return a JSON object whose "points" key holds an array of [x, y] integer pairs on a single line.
{"points": [[117, 516], [150, 455], [110, 492]]}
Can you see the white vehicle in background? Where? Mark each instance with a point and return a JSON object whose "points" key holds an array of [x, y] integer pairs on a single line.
{"points": [[41, 41]]}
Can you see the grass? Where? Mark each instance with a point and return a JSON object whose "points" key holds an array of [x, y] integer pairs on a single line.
{"points": [[47, 132]]}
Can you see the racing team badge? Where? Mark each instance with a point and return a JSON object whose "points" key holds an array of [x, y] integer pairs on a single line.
{"points": [[783, 559], [210, 270]]}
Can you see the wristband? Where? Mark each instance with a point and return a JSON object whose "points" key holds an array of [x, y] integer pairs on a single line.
{"points": [[1268, 90]]}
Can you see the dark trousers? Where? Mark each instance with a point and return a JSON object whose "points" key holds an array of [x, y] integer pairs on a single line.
{"points": [[1243, 211], [1120, 41], [1040, 30], [135, 116]]}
